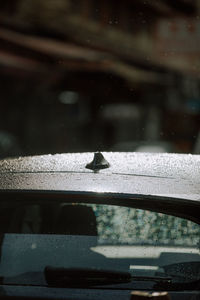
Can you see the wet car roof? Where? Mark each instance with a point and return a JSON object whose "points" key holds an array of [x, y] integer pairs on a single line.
{"points": [[168, 175]]}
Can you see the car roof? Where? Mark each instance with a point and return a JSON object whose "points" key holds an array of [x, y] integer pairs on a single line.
{"points": [[166, 175]]}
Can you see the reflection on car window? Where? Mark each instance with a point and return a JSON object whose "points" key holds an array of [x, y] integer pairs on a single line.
{"points": [[112, 224], [92, 235], [122, 225]]}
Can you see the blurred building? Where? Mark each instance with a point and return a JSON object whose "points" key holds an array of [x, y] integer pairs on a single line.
{"points": [[87, 75]]}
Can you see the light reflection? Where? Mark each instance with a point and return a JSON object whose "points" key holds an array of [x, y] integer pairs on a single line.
{"points": [[141, 251]]}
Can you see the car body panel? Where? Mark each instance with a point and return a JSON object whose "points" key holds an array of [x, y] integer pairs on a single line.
{"points": [[166, 175], [161, 182], [30, 292]]}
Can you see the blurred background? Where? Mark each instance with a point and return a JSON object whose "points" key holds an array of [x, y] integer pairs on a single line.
{"points": [[89, 75]]}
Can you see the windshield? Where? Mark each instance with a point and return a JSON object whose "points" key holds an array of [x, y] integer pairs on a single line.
{"points": [[105, 237]]}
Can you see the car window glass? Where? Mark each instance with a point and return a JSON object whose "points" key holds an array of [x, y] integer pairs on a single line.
{"points": [[93, 235]]}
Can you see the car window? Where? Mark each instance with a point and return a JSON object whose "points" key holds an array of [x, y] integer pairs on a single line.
{"points": [[93, 236]]}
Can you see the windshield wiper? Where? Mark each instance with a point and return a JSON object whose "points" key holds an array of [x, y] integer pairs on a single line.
{"points": [[91, 277], [158, 279], [183, 271], [185, 275], [84, 277], [177, 285]]}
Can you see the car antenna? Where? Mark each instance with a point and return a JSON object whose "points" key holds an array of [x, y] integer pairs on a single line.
{"points": [[98, 162]]}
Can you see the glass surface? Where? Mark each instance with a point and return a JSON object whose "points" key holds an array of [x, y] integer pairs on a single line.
{"points": [[94, 236]]}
